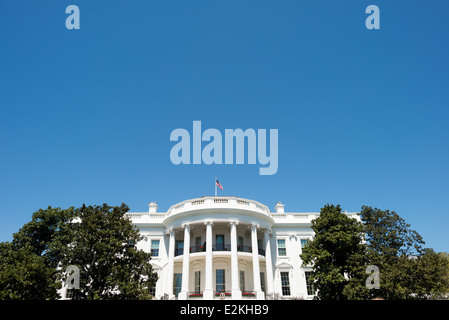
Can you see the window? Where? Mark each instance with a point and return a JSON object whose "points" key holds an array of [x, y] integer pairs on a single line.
{"points": [[242, 281], [69, 294], [179, 247], [152, 291], [310, 284], [282, 252], [177, 283], [220, 280], [219, 242], [239, 243], [197, 281], [285, 282], [262, 281], [155, 248], [303, 242], [198, 246]]}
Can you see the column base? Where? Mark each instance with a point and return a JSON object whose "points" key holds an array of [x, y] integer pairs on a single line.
{"points": [[236, 294], [169, 296], [260, 295], [183, 295], [208, 294]]}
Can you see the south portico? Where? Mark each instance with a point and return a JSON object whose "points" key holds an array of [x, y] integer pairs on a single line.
{"points": [[213, 250]]}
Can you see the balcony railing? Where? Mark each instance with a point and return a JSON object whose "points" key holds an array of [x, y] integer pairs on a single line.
{"points": [[218, 247], [206, 203], [222, 293]]}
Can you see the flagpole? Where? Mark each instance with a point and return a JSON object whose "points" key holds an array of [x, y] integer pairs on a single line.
{"points": [[215, 183]]}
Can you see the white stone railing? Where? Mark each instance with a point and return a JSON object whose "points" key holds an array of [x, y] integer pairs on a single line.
{"points": [[303, 217], [137, 217], [294, 217], [218, 203]]}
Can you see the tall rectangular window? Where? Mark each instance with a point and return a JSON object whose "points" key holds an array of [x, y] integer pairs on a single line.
{"points": [[219, 242], [242, 280], [262, 281], [220, 280], [177, 283], [198, 246], [152, 291], [310, 284], [240, 243], [197, 281], [155, 248], [179, 247], [69, 293], [303, 242], [282, 252], [285, 283]]}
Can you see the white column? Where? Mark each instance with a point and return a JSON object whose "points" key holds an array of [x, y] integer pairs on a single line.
{"points": [[235, 289], [256, 269], [268, 262], [171, 263], [183, 295], [208, 293]]}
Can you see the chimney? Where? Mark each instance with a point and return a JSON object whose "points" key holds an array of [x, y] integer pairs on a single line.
{"points": [[153, 207], [279, 208]]}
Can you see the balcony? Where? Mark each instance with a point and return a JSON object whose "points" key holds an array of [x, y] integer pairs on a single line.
{"points": [[218, 247], [224, 203]]}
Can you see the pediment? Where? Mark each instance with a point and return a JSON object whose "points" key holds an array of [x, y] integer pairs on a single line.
{"points": [[284, 265]]}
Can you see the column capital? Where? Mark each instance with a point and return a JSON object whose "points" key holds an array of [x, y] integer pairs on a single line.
{"points": [[208, 222], [186, 225], [233, 222], [255, 225], [170, 231]]}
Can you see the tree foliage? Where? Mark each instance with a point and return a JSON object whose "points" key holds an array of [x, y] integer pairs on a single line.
{"points": [[407, 270], [337, 240], [25, 275], [99, 240], [103, 246]]}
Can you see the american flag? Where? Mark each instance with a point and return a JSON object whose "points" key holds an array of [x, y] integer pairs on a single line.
{"points": [[218, 184]]}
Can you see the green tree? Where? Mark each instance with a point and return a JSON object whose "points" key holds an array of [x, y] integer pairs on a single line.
{"points": [[338, 239], [388, 234], [45, 228], [28, 266], [407, 269], [25, 275], [103, 246], [99, 240], [425, 276]]}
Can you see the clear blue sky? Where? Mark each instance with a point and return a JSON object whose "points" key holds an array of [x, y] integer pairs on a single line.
{"points": [[86, 115]]}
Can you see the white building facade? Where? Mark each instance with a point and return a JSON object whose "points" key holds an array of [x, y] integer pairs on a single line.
{"points": [[227, 248]]}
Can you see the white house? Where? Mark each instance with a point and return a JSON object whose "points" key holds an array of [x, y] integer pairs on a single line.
{"points": [[227, 247]]}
